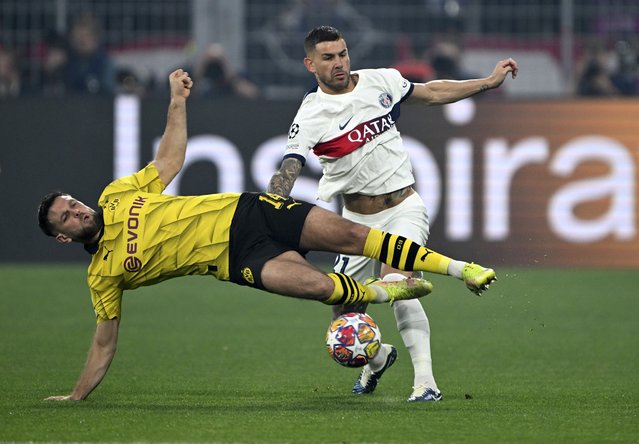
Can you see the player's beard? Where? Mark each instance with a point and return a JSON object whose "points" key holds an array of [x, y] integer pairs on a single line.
{"points": [[337, 86], [88, 232]]}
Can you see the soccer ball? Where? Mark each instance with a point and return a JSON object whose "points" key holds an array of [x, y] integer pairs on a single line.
{"points": [[353, 339]]}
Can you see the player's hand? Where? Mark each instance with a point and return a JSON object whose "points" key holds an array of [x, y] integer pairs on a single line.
{"points": [[502, 69], [181, 83], [59, 398]]}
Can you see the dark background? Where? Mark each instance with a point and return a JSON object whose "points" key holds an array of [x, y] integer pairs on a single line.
{"points": [[67, 144]]}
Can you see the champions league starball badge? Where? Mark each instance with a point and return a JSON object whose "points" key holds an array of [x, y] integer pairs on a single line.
{"points": [[292, 132]]}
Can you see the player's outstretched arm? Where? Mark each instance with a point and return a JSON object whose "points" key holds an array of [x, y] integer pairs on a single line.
{"points": [[283, 180], [98, 362], [170, 157], [439, 92]]}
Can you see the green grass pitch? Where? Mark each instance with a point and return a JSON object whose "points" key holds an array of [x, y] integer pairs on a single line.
{"points": [[545, 356]]}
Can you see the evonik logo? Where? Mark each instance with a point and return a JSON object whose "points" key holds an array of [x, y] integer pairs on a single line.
{"points": [[132, 263]]}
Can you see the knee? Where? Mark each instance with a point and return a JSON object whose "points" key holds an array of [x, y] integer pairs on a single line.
{"points": [[321, 289], [357, 235], [325, 287]]}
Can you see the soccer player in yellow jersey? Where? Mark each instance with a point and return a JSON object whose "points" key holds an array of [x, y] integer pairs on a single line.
{"points": [[140, 237]]}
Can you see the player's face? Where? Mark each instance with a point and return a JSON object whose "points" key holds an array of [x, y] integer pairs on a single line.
{"points": [[332, 66], [73, 220]]}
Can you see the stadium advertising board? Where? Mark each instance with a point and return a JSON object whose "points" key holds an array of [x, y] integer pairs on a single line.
{"points": [[525, 183]]}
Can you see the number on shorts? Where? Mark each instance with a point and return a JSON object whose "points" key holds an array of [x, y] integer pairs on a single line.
{"points": [[274, 199], [344, 260], [278, 201]]}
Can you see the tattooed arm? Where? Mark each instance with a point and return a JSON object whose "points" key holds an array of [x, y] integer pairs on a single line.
{"points": [[283, 180], [438, 92]]}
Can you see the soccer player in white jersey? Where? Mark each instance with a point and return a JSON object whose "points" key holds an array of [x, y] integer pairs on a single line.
{"points": [[349, 121]]}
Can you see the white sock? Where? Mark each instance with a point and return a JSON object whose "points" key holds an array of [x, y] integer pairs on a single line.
{"points": [[455, 268], [414, 328], [381, 295], [379, 360]]}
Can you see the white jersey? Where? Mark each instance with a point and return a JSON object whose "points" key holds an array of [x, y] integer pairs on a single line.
{"points": [[355, 135]]}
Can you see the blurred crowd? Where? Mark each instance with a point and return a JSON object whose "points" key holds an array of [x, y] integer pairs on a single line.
{"points": [[441, 60], [609, 72], [600, 72], [79, 63]]}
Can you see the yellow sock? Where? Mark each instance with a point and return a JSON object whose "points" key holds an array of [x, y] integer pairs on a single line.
{"points": [[348, 291], [403, 254]]}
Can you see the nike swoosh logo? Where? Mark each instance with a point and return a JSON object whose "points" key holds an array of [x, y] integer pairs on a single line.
{"points": [[341, 127]]}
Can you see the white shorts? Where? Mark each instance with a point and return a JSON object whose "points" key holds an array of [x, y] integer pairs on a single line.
{"points": [[408, 219]]}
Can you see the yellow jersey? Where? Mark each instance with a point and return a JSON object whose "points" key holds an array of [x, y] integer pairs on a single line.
{"points": [[149, 237]]}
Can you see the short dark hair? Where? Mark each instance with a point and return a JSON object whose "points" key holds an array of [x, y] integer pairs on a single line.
{"points": [[319, 35], [43, 212]]}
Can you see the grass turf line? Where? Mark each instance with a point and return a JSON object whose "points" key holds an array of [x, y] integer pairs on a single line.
{"points": [[543, 356]]}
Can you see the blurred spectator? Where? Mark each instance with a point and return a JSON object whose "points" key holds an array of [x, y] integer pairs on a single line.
{"points": [[625, 75], [89, 68], [9, 74], [215, 77], [593, 76], [54, 65], [302, 15], [412, 62], [445, 58], [128, 82]]}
